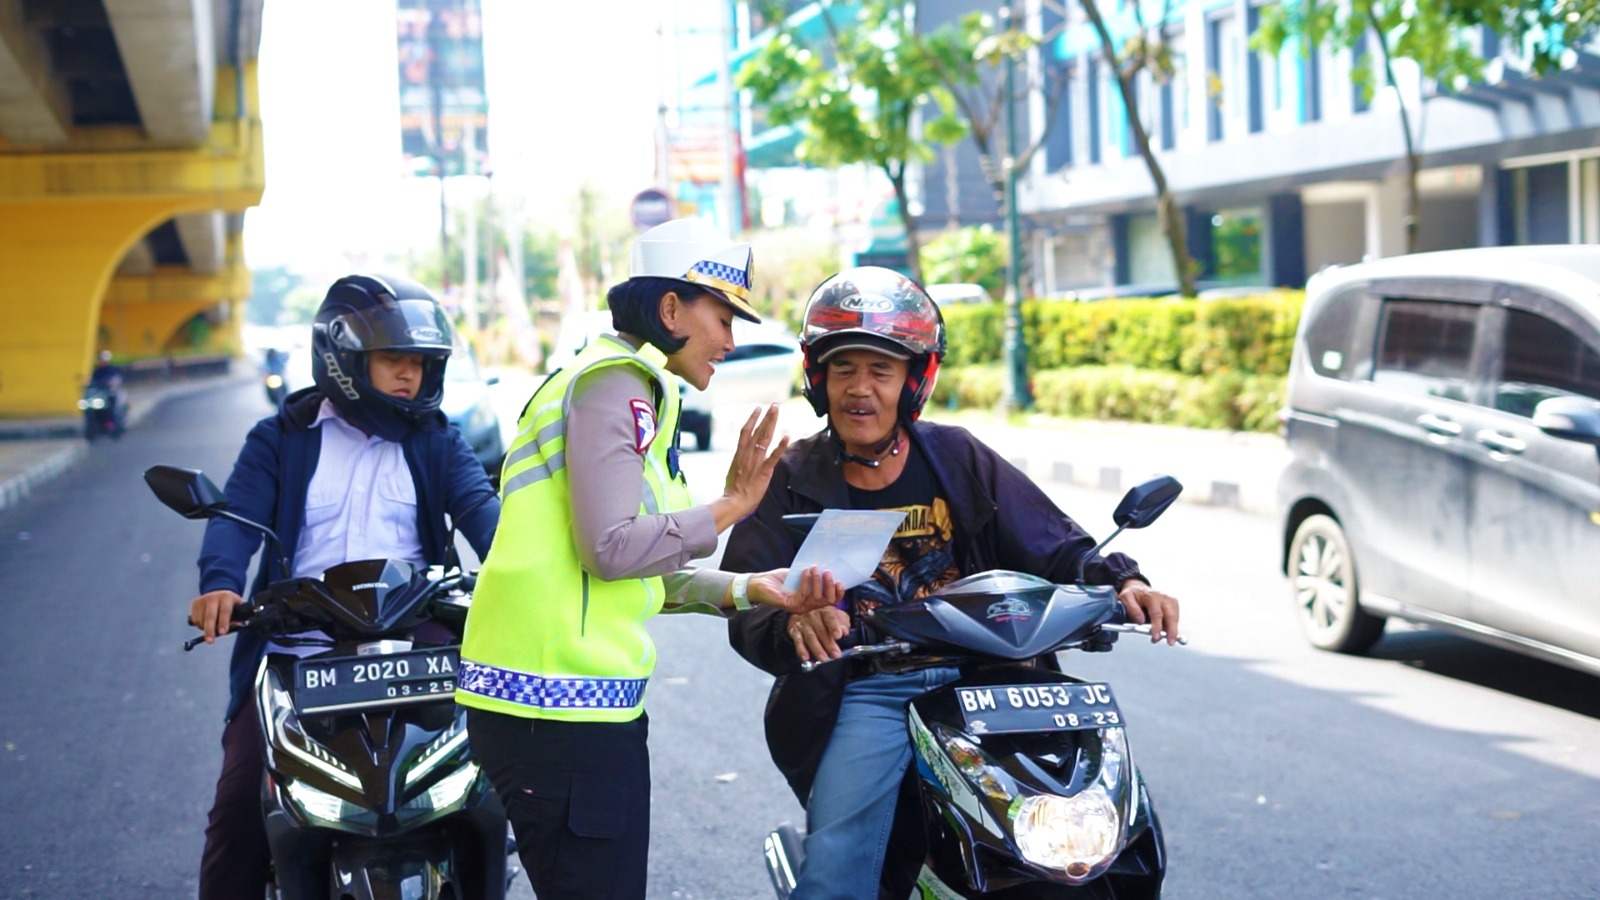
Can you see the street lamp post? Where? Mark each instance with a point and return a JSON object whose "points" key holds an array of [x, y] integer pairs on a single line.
{"points": [[1017, 396]]}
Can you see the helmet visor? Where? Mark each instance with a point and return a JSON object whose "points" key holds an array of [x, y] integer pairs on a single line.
{"points": [[417, 326]]}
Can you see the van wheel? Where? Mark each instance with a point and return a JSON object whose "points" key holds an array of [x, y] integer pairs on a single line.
{"points": [[1322, 575], [702, 436]]}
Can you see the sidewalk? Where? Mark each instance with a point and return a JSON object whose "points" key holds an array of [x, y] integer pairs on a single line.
{"points": [[33, 451], [1238, 470]]}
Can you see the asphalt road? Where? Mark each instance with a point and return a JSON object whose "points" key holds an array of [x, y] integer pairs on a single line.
{"points": [[1436, 768]]}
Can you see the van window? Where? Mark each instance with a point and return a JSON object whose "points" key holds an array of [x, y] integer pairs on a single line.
{"points": [[1543, 360], [1425, 347], [1328, 334]]}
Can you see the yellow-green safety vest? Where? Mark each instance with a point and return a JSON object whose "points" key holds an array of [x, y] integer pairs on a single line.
{"points": [[546, 639]]}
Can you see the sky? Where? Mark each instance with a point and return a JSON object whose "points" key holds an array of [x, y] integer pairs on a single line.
{"points": [[573, 93]]}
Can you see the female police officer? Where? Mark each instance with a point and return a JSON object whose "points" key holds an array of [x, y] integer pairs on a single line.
{"points": [[595, 527]]}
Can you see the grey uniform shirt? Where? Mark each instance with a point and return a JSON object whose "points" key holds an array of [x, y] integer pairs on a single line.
{"points": [[606, 474]]}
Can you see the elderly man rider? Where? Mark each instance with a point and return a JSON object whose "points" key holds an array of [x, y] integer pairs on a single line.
{"points": [[873, 340]]}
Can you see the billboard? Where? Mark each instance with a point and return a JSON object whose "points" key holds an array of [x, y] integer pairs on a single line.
{"points": [[443, 104]]}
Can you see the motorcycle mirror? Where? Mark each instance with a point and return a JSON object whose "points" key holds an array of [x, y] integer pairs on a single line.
{"points": [[1140, 506], [1145, 502], [186, 491]]}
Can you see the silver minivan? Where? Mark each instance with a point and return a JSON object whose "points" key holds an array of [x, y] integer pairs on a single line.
{"points": [[1443, 416]]}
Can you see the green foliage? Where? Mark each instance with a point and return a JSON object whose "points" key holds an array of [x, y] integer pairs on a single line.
{"points": [[974, 387], [974, 333], [852, 94], [1195, 363], [1234, 401], [1191, 337], [972, 255], [1432, 34]]}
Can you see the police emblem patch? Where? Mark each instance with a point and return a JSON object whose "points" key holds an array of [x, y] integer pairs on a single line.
{"points": [[644, 424]]}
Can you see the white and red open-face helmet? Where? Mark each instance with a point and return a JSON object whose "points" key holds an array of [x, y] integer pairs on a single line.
{"points": [[876, 309]]}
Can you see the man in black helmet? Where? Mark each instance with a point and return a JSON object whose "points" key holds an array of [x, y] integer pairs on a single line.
{"points": [[360, 466], [872, 342]]}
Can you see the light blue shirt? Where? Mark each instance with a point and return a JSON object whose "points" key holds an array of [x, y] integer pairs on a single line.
{"points": [[361, 504]]}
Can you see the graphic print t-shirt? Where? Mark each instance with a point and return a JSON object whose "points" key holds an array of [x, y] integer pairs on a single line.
{"points": [[918, 560]]}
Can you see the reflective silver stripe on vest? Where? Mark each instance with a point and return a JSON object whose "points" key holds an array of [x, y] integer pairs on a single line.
{"points": [[539, 692], [550, 432], [534, 475]]}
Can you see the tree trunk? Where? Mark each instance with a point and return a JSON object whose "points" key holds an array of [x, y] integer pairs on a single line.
{"points": [[913, 246], [1168, 215]]}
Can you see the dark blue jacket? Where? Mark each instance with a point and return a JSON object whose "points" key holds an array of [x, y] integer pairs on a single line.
{"points": [[269, 484]]}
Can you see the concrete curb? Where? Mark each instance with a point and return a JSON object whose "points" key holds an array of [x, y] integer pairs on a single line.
{"points": [[46, 463]]}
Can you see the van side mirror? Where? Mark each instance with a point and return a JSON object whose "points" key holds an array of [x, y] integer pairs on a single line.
{"points": [[186, 491], [1570, 418], [1146, 501]]}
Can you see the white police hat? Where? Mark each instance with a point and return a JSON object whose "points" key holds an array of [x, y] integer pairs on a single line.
{"points": [[693, 251]]}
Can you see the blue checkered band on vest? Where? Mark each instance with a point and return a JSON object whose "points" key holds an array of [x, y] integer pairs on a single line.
{"points": [[730, 274], [550, 693]]}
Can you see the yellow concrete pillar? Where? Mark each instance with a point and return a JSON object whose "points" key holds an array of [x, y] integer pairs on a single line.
{"points": [[58, 259], [67, 217]]}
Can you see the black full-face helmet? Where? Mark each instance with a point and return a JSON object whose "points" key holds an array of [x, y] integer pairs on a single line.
{"points": [[363, 313]]}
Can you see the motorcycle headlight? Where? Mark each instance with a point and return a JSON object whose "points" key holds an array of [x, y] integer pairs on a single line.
{"points": [[447, 794], [321, 806], [274, 381], [1076, 834]]}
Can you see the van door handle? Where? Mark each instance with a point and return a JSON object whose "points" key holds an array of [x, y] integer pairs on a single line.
{"points": [[1501, 442], [1438, 425]]}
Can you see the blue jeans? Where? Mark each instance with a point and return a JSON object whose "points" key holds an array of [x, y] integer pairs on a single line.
{"points": [[853, 798]]}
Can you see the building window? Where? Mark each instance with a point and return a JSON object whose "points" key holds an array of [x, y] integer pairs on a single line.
{"points": [[1236, 244]]}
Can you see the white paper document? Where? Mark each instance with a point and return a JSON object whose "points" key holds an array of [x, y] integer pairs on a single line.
{"points": [[847, 542]]}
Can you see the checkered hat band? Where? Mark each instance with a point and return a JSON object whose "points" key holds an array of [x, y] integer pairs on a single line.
{"points": [[549, 693], [729, 279]]}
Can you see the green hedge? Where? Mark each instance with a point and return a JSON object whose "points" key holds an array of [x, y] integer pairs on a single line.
{"points": [[1195, 363], [1231, 401], [1193, 337]]}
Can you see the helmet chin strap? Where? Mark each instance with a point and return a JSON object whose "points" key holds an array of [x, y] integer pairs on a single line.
{"points": [[889, 446]]}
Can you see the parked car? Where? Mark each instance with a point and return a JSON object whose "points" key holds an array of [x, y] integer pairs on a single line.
{"points": [[950, 293], [470, 408], [763, 367], [1444, 420]]}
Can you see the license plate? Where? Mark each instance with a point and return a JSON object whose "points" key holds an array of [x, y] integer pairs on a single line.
{"points": [[1072, 706], [349, 683]]}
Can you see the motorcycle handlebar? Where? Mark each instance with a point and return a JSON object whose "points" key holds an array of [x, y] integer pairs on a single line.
{"points": [[242, 613]]}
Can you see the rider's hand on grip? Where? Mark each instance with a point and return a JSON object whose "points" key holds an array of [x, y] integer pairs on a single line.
{"points": [[213, 613], [1145, 604], [816, 634]]}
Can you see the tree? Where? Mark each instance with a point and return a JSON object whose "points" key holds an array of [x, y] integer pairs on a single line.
{"points": [[973, 255], [1434, 36], [969, 55], [1147, 49], [854, 94]]}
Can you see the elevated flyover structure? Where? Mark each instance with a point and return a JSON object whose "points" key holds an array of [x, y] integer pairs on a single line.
{"points": [[130, 146]]}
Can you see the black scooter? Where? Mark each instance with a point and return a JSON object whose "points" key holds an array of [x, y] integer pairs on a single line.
{"points": [[102, 407], [371, 790], [1023, 784]]}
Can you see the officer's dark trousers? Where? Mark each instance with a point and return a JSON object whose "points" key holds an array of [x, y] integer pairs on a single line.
{"points": [[577, 795], [237, 857]]}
